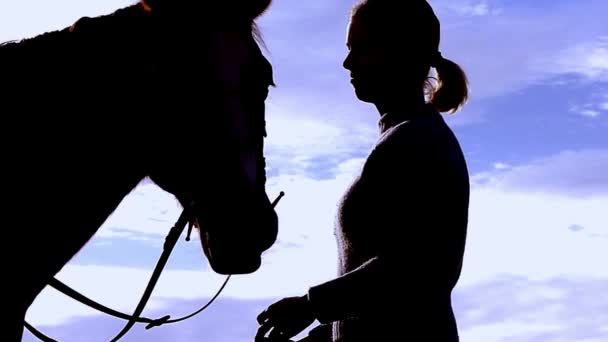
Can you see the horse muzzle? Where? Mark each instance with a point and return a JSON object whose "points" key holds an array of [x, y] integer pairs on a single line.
{"points": [[237, 246]]}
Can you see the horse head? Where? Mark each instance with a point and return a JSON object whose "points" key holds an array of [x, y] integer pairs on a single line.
{"points": [[218, 171]]}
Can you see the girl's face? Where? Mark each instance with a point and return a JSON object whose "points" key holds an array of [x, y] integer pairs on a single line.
{"points": [[365, 61], [378, 67]]}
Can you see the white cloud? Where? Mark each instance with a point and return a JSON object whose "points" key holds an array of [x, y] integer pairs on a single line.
{"points": [[508, 328], [310, 137], [147, 212], [577, 173], [576, 228], [517, 309], [507, 231], [475, 9], [306, 218], [604, 103], [588, 59], [501, 166], [512, 309], [522, 46], [590, 113], [591, 107], [227, 320], [495, 58], [300, 137]]}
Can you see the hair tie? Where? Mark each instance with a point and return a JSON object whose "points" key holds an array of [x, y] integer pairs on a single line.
{"points": [[436, 58]]}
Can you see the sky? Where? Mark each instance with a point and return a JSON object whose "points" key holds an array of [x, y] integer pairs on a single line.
{"points": [[534, 135]]}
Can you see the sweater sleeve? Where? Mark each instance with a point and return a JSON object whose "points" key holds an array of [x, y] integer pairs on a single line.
{"points": [[403, 233], [351, 295]]}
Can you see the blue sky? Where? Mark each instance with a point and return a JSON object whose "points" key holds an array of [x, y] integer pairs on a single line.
{"points": [[534, 134]]}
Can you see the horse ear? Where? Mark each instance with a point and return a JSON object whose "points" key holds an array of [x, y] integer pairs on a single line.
{"points": [[149, 4]]}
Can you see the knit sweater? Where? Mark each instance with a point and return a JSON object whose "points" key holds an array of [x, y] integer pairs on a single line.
{"points": [[400, 229]]}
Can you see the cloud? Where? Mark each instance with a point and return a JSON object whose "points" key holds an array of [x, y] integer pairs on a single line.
{"points": [[576, 228], [501, 166], [226, 320], [499, 64], [525, 276], [147, 213], [524, 234], [573, 173], [588, 59], [306, 217], [604, 102], [504, 308], [501, 222], [590, 113], [586, 110], [121, 290], [305, 144], [307, 47], [591, 104], [140, 253], [516, 309], [469, 8]]}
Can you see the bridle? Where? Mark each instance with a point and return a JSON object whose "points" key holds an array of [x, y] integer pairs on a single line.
{"points": [[170, 241]]}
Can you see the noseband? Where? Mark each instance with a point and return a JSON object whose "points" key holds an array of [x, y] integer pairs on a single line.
{"points": [[170, 241]]}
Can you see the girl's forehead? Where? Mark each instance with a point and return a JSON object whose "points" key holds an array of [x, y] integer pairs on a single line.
{"points": [[357, 33]]}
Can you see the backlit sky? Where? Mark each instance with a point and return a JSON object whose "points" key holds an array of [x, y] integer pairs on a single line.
{"points": [[535, 137]]}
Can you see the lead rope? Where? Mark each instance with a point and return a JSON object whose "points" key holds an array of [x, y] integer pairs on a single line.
{"points": [[170, 242]]}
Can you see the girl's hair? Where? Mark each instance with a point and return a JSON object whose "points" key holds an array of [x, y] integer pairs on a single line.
{"points": [[413, 24]]}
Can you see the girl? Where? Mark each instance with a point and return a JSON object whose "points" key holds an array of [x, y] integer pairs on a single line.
{"points": [[402, 224]]}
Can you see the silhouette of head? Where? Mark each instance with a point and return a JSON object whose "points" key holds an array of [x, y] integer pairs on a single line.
{"points": [[218, 168], [392, 46]]}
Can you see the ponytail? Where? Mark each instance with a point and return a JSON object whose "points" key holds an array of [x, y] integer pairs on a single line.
{"points": [[452, 91]]}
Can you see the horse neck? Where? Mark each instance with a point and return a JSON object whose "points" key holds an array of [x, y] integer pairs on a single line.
{"points": [[64, 189], [80, 164]]}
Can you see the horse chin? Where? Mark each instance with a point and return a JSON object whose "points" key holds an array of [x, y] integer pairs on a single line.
{"points": [[236, 245], [230, 260], [226, 266]]}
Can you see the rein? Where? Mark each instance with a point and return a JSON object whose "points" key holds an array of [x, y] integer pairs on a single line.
{"points": [[170, 242]]}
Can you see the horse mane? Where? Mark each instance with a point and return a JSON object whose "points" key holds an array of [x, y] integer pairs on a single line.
{"points": [[118, 21], [246, 11], [243, 12]]}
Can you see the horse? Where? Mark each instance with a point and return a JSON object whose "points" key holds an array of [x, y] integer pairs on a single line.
{"points": [[172, 91]]}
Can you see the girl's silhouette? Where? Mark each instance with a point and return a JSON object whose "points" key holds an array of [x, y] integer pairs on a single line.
{"points": [[402, 224]]}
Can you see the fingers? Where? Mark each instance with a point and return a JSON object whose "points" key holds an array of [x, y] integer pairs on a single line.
{"points": [[262, 331], [262, 317], [277, 334], [265, 315], [272, 310]]}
